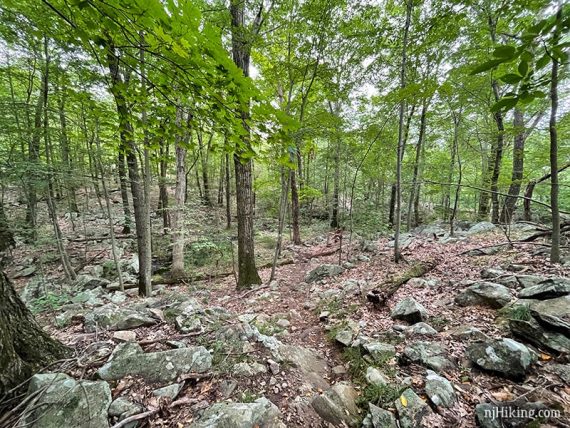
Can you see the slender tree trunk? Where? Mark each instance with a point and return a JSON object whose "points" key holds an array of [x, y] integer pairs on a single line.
{"points": [[65, 154], [221, 182], [282, 212], [177, 269], [128, 145], [6, 233], [415, 187], [162, 189], [497, 159], [26, 348], [121, 168], [457, 191], [518, 167], [204, 164], [247, 271], [228, 194], [555, 239], [295, 207], [401, 143], [392, 204]]}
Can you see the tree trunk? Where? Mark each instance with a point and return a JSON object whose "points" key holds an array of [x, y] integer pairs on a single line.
{"points": [[401, 143], [204, 164], [295, 214], [415, 187], [555, 239], [241, 48], [282, 210], [124, 192], [228, 194], [177, 269], [162, 189], [392, 204], [25, 347], [128, 145], [518, 167], [65, 154], [6, 234], [497, 158]]}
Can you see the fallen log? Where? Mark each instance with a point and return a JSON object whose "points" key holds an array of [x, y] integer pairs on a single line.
{"points": [[382, 293]]}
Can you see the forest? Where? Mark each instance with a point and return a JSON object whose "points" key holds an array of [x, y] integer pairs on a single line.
{"points": [[284, 213]]}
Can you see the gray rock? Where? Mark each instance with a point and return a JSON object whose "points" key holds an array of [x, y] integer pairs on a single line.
{"points": [[467, 332], [25, 272], [421, 328], [164, 366], [344, 337], [323, 271], [553, 314], [125, 336], [169, 391], [313, 367], [67, 402], [439, 390], [380, 352], [429, 354], [492, 273], [503, 356], [92, 297], [524, 281], [530, 330], [481, 227], [376, 377], [547, 289], [261, 413], [249, 369], [338, 405], [378, 418], [89, 282], [34, 289], [411, 409], [122, 408], [112, 317], [118, 297], [484, 294], [562, 370], [429, 231], [409, 310]]}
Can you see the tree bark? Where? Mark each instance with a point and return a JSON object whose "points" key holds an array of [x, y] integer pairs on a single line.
{"points": [[228, 194], [25, 347], [124, 192], [415, 186], [162, 189], [65, 153], [518, 168], [497, 158], [241, 48]]}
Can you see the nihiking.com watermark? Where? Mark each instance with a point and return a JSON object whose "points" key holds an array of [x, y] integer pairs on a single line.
{"points": [[508, 412]]}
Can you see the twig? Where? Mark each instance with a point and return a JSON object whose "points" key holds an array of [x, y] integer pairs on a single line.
{"points": [[136, 417]]}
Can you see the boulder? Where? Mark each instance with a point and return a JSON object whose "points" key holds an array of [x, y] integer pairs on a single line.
{"points": [[249, 369], [505, 357], [338, 405], [535, 333], [467, 332], [481, 227], [439, 390], [90, 298], [380, 352], [409, 310], [121, 408], [125, 336], [553, 314], [429, 354], [421, 329], [169, 391], [34, 289], [376, 377], [430, 231], [562, 371], [262, 413], [113, 317], [62, 401], [323, 271], [411, 410], [313, 367], [165, 366], [344, 337], [484, 294], [89, 282], [378, 418], [547, 289]]}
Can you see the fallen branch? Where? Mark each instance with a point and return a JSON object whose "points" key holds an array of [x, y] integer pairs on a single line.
{"points": [[381, 294], [101, 238], [136, 417]]}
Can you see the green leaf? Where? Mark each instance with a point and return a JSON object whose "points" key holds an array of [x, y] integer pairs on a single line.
{"points": [[523, 68], [504, 104], [511, 78], [487, 66], [505, 51], [542, 62]]}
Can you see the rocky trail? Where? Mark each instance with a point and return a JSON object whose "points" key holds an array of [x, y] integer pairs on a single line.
{"points": [[481, 339]]}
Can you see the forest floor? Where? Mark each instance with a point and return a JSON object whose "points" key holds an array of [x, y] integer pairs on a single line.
{"points": [[305, 318]]}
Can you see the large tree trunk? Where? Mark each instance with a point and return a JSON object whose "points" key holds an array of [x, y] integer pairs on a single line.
{"points": [[497, 158], [415, 185], [247, 271], [6, 234], [518, 168], [25, 347]]}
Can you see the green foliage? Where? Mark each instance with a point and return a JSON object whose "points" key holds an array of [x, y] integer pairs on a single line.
{"points": [[49, 302]]}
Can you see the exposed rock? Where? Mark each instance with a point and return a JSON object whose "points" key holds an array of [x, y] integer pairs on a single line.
{"points": [[34, 289], [89, 282], [485, 294], [92, 297], [411, 409], [164, 366], [378, 418], [431, 355], [169, 391], [339, 370], [323, 271], [553, 313], [467, 332], [261, 413], [249, 369], [409, 310], [344, 337], [380, 352], [122, 408], [547, 289], [25, 272], [562, 370], [125, 336], [481, 227], [503, 356], [421, 328], [283, 323], [376, 377], [492, 273], [486, 251], [112, 317], [311, 364], [535, 333], [338, 405], [66, 402], [439, 390]]}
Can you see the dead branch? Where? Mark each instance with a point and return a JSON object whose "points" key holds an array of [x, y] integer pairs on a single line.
{"points": [[136, 417]]}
